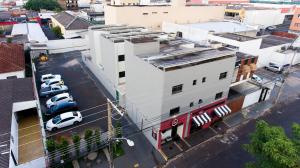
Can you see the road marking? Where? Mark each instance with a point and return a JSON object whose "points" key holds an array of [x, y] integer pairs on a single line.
{"points": [[163, 154], [189, 145], [178, 146], [213, 130]]}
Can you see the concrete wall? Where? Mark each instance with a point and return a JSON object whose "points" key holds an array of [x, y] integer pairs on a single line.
{"points": [[192, 93], [143, 90], [251, 98], [66, 45], [188, 32], [14, 141], [153, 16], [264, 18], [18, 74]]}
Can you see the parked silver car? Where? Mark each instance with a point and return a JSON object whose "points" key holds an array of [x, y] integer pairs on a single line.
{"points": [[47, 77], [53, 90], [63, 97]]}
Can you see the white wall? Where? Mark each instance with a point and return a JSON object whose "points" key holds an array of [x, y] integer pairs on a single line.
{"points": [[188, 32], [192, 93], [251, 98], [264, 17], [66, 45], [14, 143], [18, 74]]}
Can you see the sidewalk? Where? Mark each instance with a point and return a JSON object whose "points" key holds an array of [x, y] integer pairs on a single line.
{"points": [[252, 112]]}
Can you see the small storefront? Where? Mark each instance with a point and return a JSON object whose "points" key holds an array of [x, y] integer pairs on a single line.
{"points": [[172, 129]]}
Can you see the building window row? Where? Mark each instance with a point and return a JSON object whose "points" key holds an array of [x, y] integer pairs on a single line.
{"points": [[177, 89], [121, 74], [121, 58], [223, 75]]}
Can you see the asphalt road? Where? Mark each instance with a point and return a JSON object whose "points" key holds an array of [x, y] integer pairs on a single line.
{"points": [[91, 100], [227, 152]]}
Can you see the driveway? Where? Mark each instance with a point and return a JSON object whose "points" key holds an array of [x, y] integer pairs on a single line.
{"points": [[90, 98]]}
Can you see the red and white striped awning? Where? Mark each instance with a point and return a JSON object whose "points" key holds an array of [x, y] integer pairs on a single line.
{"points": [[201, 119], [221, 111]]}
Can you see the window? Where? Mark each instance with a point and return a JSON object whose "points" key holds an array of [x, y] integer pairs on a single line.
{"points": [[154, 12], [165, 12], [191, 104], [11, 77], [237, 63], [122, 74], [252, 60], [194, 82], [203, 79], [223, 75], [121, 58], [200, 101], [177, 89], [219, 95], [145, 13], [174, 111]]}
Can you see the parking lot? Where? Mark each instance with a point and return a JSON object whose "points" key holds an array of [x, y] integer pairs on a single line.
{"points": [[86, 92], [267, 75]]}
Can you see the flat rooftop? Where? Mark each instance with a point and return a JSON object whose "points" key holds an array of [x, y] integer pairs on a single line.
{"points": [[245, 88], [120, 33], [241, 55], [179, 53], [272, 40], [236, 37], [221, 27]]}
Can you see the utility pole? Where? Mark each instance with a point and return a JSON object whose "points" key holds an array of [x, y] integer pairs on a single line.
{"points": [[110, 132], [285, 75]]}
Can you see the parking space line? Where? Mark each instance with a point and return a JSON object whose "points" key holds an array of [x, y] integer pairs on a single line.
{"points": [[226, 124], [163, 154], [178, 146], [189, 145], [213, 130]]}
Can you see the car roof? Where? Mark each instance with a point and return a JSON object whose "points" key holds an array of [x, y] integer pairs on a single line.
{"points": [[46, 75], [54, 79], [66, 115], [62, 95]]}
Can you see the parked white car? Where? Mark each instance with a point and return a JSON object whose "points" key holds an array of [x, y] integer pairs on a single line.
{"points": [[63, 97], [256, 78], [47, 77], [64, 120], [274, 67], [52, 82]]}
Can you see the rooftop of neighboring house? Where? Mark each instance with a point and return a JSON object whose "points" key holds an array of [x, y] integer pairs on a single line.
{"points": [[272, 40], [120, 33], [12, 90], [19, 39], [33, 31], [12, 57], [245, 7], [246, 88], [179, 53], [5, 16], [221, 26], [236, 37], [71, 22], [242, 56]]}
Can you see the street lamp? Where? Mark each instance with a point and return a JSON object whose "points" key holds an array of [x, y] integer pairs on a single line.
{"points": [[129, 143]]}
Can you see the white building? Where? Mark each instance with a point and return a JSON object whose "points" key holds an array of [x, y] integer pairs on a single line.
{"points": [[20, 147], [174, 87], [199, 31], [268, 48], [12, 61], [107, 55], [33, 31]]}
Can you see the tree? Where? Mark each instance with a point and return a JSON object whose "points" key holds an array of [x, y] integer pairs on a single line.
{"points": [[57, 31], [50, 143], [9, 40], [76, 141], [296, 136], [88, 138], [63, 148], [271, 148], [37, 5], [97, 137], [118, 130]]}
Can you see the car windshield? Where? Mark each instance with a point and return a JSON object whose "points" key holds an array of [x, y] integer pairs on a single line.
{"points": [[75, 114], [53, 98], [56, 119]]}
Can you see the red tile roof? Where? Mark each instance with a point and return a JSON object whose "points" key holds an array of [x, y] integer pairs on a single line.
{"points": [[12, 57]]}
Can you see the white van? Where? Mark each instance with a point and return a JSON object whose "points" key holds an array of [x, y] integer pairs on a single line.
{"points": [[274, 67]]}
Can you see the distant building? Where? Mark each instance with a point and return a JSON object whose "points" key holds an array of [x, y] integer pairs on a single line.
{"points": [[295, 24], [153, 16], [217, 1], [12, 61], [69, 24], [33, 31], [256, 16], [199, 31]]}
